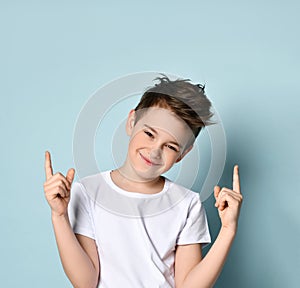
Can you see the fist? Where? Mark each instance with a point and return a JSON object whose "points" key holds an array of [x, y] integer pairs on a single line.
{"points": [[57, 188], [229, 201]]}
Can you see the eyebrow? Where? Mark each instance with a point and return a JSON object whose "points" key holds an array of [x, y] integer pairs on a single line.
{"points": [[154, 131]]}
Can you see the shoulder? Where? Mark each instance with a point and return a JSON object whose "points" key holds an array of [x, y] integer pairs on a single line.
{"points": [[93, 181], [88, 186], [190, 194], [187, 197], [84, 191]]}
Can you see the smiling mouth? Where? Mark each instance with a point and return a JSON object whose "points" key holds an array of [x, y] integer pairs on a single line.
{"points": [[148, 162]]}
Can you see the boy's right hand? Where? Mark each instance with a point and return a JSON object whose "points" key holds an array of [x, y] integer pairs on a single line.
{"points": [[57, 188]]}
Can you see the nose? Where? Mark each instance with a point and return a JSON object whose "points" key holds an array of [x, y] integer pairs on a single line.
{"points": [[155, 153]]}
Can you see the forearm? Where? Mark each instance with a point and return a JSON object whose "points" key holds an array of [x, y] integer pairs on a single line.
{"points": [[76, 263], [206, 272]]}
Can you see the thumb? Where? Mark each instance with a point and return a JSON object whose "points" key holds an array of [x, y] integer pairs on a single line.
{"points": [[217, 190], [70, 175]]}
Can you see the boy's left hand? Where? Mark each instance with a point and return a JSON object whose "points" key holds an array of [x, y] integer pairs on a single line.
{"points": [[229, 202]]}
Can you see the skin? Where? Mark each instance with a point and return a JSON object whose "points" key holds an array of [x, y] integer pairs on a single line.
{"points": [[78, 253], [155, 146], [207, 270]]}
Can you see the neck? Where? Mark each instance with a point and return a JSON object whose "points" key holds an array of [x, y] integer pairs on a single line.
{"points": [[132, 183]]}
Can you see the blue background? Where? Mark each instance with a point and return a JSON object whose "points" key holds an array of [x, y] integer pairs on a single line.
{"points": [[55, 54]]}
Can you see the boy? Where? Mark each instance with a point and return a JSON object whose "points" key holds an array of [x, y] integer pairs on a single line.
{"points": [[153, 240]]}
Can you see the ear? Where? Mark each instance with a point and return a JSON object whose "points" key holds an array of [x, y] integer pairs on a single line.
{"points": [[184, 153], [130, 122]]}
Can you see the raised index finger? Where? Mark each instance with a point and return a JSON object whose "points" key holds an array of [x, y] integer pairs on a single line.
{"points": [[236, 179], [48, 165]]}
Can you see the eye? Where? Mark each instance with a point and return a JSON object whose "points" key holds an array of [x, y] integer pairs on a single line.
{"points": [[148, 133], [172, 148]]}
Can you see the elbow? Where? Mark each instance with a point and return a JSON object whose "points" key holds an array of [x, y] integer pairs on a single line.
{"points": [[86, 285], [92, 282]]}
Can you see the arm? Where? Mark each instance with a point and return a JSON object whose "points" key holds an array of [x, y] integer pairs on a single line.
{"points": [[186, 258], [205, 272], [78, 254]]}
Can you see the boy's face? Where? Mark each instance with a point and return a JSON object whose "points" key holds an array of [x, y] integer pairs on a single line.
{"points": [[157, 141]]}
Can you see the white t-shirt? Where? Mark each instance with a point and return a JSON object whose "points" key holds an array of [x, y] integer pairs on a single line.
{"points": [[136, 234]]}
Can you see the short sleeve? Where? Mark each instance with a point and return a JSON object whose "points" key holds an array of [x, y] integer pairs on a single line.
{"points": [[196, 228], [80, 212]]}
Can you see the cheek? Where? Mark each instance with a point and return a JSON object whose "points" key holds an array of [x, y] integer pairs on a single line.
{"points": [[135, 143], [171, 156]]}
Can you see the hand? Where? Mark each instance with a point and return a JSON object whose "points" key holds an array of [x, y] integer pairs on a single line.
{"points": [[57, 188], [229, 202]]}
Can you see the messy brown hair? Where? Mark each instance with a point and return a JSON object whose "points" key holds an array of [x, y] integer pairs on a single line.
{"points": [[186, 100]]}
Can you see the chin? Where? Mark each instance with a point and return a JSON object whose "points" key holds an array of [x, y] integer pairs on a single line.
{"points": [[148, 174]]}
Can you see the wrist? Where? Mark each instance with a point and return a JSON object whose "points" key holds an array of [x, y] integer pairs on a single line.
{"points": [[229, 231], [55, 216]]}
